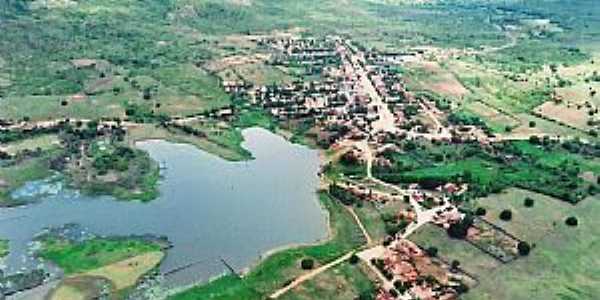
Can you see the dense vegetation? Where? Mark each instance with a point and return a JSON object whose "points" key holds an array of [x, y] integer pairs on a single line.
{"points": [[547, 167]]}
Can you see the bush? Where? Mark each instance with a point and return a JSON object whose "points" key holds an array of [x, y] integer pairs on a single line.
{"points": [[528, 202], [455, 264], [506, 215], [307, 264], [480, 211], [571, 221], [432, 251], [353, 259], [459, 230], [524, 248]]}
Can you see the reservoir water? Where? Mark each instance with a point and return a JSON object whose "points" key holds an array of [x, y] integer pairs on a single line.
{"points": [[209, 208]]}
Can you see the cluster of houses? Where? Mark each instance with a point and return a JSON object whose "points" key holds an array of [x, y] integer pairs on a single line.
{"points": [[418, 274], [337, 97]]}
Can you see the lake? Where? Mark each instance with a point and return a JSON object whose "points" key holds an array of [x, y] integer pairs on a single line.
{"points": [[209, 208]]}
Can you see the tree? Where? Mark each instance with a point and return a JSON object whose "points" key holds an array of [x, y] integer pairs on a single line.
{"points": [[506, 215], [532, 124], [524, 248], [307, 264], [572, 221], [432, 251], [353, 259], [455, 264], [460, 229], [528, 202], [534, 139], [480, 211]]}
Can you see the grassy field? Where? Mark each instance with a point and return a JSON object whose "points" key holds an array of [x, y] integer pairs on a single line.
{"points": [[3, 248], [345, 281], [372, 215], [43, 142], [471, 259], [528, 223], [564, 263], [92, 254], [96, 266], [125, 273], [13, 177], [563, 259], [281, 267]]}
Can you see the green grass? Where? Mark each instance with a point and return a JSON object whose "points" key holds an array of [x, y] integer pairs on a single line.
{"points": [[471, 259], [76, 257], [564, 263], [342, 282], [279, 268], [550, 169], [22, 172], [528, 223], [255, 118], [3, 248], [42, 142]]}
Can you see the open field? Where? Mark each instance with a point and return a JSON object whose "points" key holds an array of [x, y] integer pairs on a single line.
{"points": [[471, 259], [92, 254], [116, 276], [528, 223], [563, 262], [149, 132], [568, 114], [372, 216], [345, 281], [79, 288], [283, 266], [3, 248], [430, 76], [560, 276], [44, 142], [125, 273]]}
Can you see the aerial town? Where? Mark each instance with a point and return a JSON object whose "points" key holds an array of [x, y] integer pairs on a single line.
{"points": [[364, 150]]}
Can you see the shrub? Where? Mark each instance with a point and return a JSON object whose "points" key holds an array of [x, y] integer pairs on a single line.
{"points": [[524, 248], [459, 230], [400, 286], [572, 221], [353, 259], [480, 211], [506, 215], [307, 264], [528, 202], [455, 264], [432, 251]]}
